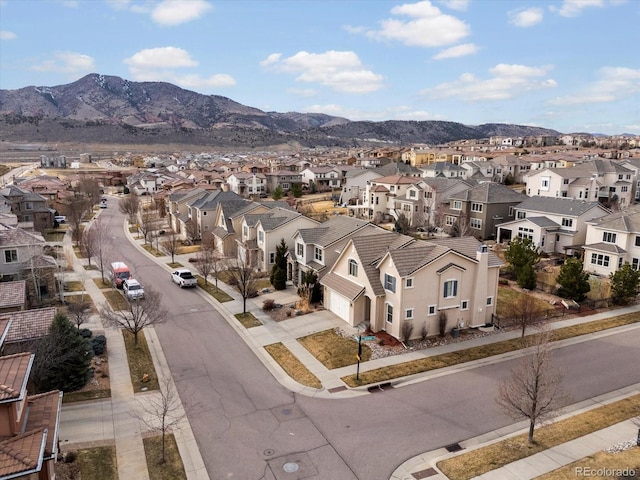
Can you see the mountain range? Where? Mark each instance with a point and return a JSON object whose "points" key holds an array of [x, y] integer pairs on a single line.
{"points": [[108, 109]]}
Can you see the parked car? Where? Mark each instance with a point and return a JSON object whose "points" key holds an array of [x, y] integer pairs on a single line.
{"points": [[103, 205], [60, 218], [184, 278], [118, 273], [132, 289]]}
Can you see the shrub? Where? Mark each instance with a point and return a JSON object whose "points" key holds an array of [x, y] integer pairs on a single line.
{"points": [[443, 324], [424, 331], [268, 304], [99, 344], [70, 457], [407, 330], [85, 333], [503, 281]]}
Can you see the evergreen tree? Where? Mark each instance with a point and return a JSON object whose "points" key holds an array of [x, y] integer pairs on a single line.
{"points": [[522, 255], [402, 224], [278, 275], [624, 284], [296, 190], [278, 193], [62, 358], [574, 282]]}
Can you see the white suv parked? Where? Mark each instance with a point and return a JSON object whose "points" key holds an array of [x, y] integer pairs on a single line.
{"points": [[132, 289]]}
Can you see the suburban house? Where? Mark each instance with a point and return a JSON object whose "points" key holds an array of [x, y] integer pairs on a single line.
{"points": [[388, 279], [178, 209], [437, 193], [443, 169], [555, 225], [286, 179], [379, 202], [316, 249], [26, 327], [483, 171], [28, 423], [480, 208], [513, 167], [612, 241], [355, 179], [148, 182], [247, 184], [28, 207], [322, 178], [51, 188], [23, 258], [262, 232], [202, 210]]}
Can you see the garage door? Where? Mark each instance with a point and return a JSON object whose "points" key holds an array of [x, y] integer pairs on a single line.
{"points": [[338, 304]]}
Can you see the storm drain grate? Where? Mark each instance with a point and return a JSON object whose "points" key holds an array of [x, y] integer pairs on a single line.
{"points": [[380, 388], [454, 447]]}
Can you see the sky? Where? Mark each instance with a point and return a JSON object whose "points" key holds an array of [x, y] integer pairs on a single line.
{"points": [[569, 65]]}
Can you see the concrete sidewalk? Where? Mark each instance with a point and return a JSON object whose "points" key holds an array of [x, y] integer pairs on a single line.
{"points": [[127, 431]]}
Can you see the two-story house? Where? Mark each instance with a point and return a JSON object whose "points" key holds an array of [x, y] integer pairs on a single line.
{"points": [[380, 280], [178, 209], [28, 207], [316, 249], [323, 179], [247, 184], [286, 179], [379, 203], [480, 208], [555, 225], [612, 241], [262, 232], [203, 209]]}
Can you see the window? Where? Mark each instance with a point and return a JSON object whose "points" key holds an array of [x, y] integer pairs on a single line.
{"points": [[521, 215], [635, 263], [464, 305], [389, 283], [450, 220], [609, 237], [544, 183], [456, 205], [408, 282], [612, 189], [272, 257], [565, 181], [620, 262], [260, 236], [10, 256], [476, 207], [599, 259], [637, 240], [300, 249], [353, 268], [524, 232], [317, 254], [245, 231], [408, 314], [475, 223], [489, 301], [28, 206], [567, 222], [431, 310], [412, 193], [450, 288], [286, 186], [624, 188], [389, 313], [511, 211]]}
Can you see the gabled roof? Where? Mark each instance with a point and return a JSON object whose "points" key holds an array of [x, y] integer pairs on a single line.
{"points": [[559, 206], [15, 237], [212, 199], [396, 180], [272, 219], [30, 324], [490, 192], [13, 294], [345, 287], [332, 230], [627, 220], [22, 454], [184, 195], [606, 247], [44, 412], [14, 373], [467, 246]]}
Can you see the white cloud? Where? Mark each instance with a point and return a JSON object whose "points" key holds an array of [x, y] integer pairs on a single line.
{"points": [[614, 83], [161, 57], [508, 81], [457, 51], [67, 62], [175, 12], [428, 26], [394, 113], [7, 35], [340, 71], [455, 4], [573, 8], [525, 17], [354, 29], [220, 80]]}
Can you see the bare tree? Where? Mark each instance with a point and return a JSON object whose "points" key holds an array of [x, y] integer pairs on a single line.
{"points": [[138, 314], [90, 190], [86, 245], [245, 277], [160, 205], [75, 215], [147, 224], [78, 313], [525, 311], [171, 244], [130, 206], [191, 230], [162, 413], [98, 239], [534, 388], [205, 260]]}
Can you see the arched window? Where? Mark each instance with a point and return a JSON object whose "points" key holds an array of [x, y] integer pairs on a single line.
{"points": [[353, 268]]}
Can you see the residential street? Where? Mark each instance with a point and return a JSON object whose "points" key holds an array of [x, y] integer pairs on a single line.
{"points": [[244, 419]]}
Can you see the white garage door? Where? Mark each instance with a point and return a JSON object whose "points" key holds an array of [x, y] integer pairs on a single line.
{"points": [[338, 305]]}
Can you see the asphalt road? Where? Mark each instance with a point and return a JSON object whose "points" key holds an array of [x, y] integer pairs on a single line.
{"points": [[248, 426]]}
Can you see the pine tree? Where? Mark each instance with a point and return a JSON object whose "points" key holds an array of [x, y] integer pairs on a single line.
{"points": [[278, 275], [522, 255], [624, 284], [278, 193], [574, 282]]}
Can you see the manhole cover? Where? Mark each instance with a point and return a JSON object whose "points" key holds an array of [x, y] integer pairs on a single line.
{"points": [[269, 452], [290, 467]]}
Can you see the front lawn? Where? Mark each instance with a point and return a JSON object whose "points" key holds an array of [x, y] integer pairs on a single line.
{"points": [[248, 320], [172, 468], [333, 350], [116, 299], [294, 367], [210, 288], [98, 463], [140, 363]]}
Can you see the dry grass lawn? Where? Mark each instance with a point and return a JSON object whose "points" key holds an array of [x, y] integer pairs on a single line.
{"points": [[140, 363], [333, 350], [115, 299], [101, 284], [629, 459], [81, 298], [188, 249], [294, 367], [248, 320], [507, 296], [172, 468], [175, 264], [482, 460], [477, 353], [74, 286], [152, 250], [210, 288], [97, 463]]}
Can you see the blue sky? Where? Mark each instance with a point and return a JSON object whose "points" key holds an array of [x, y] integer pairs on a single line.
{"points": [[570, 65]]}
